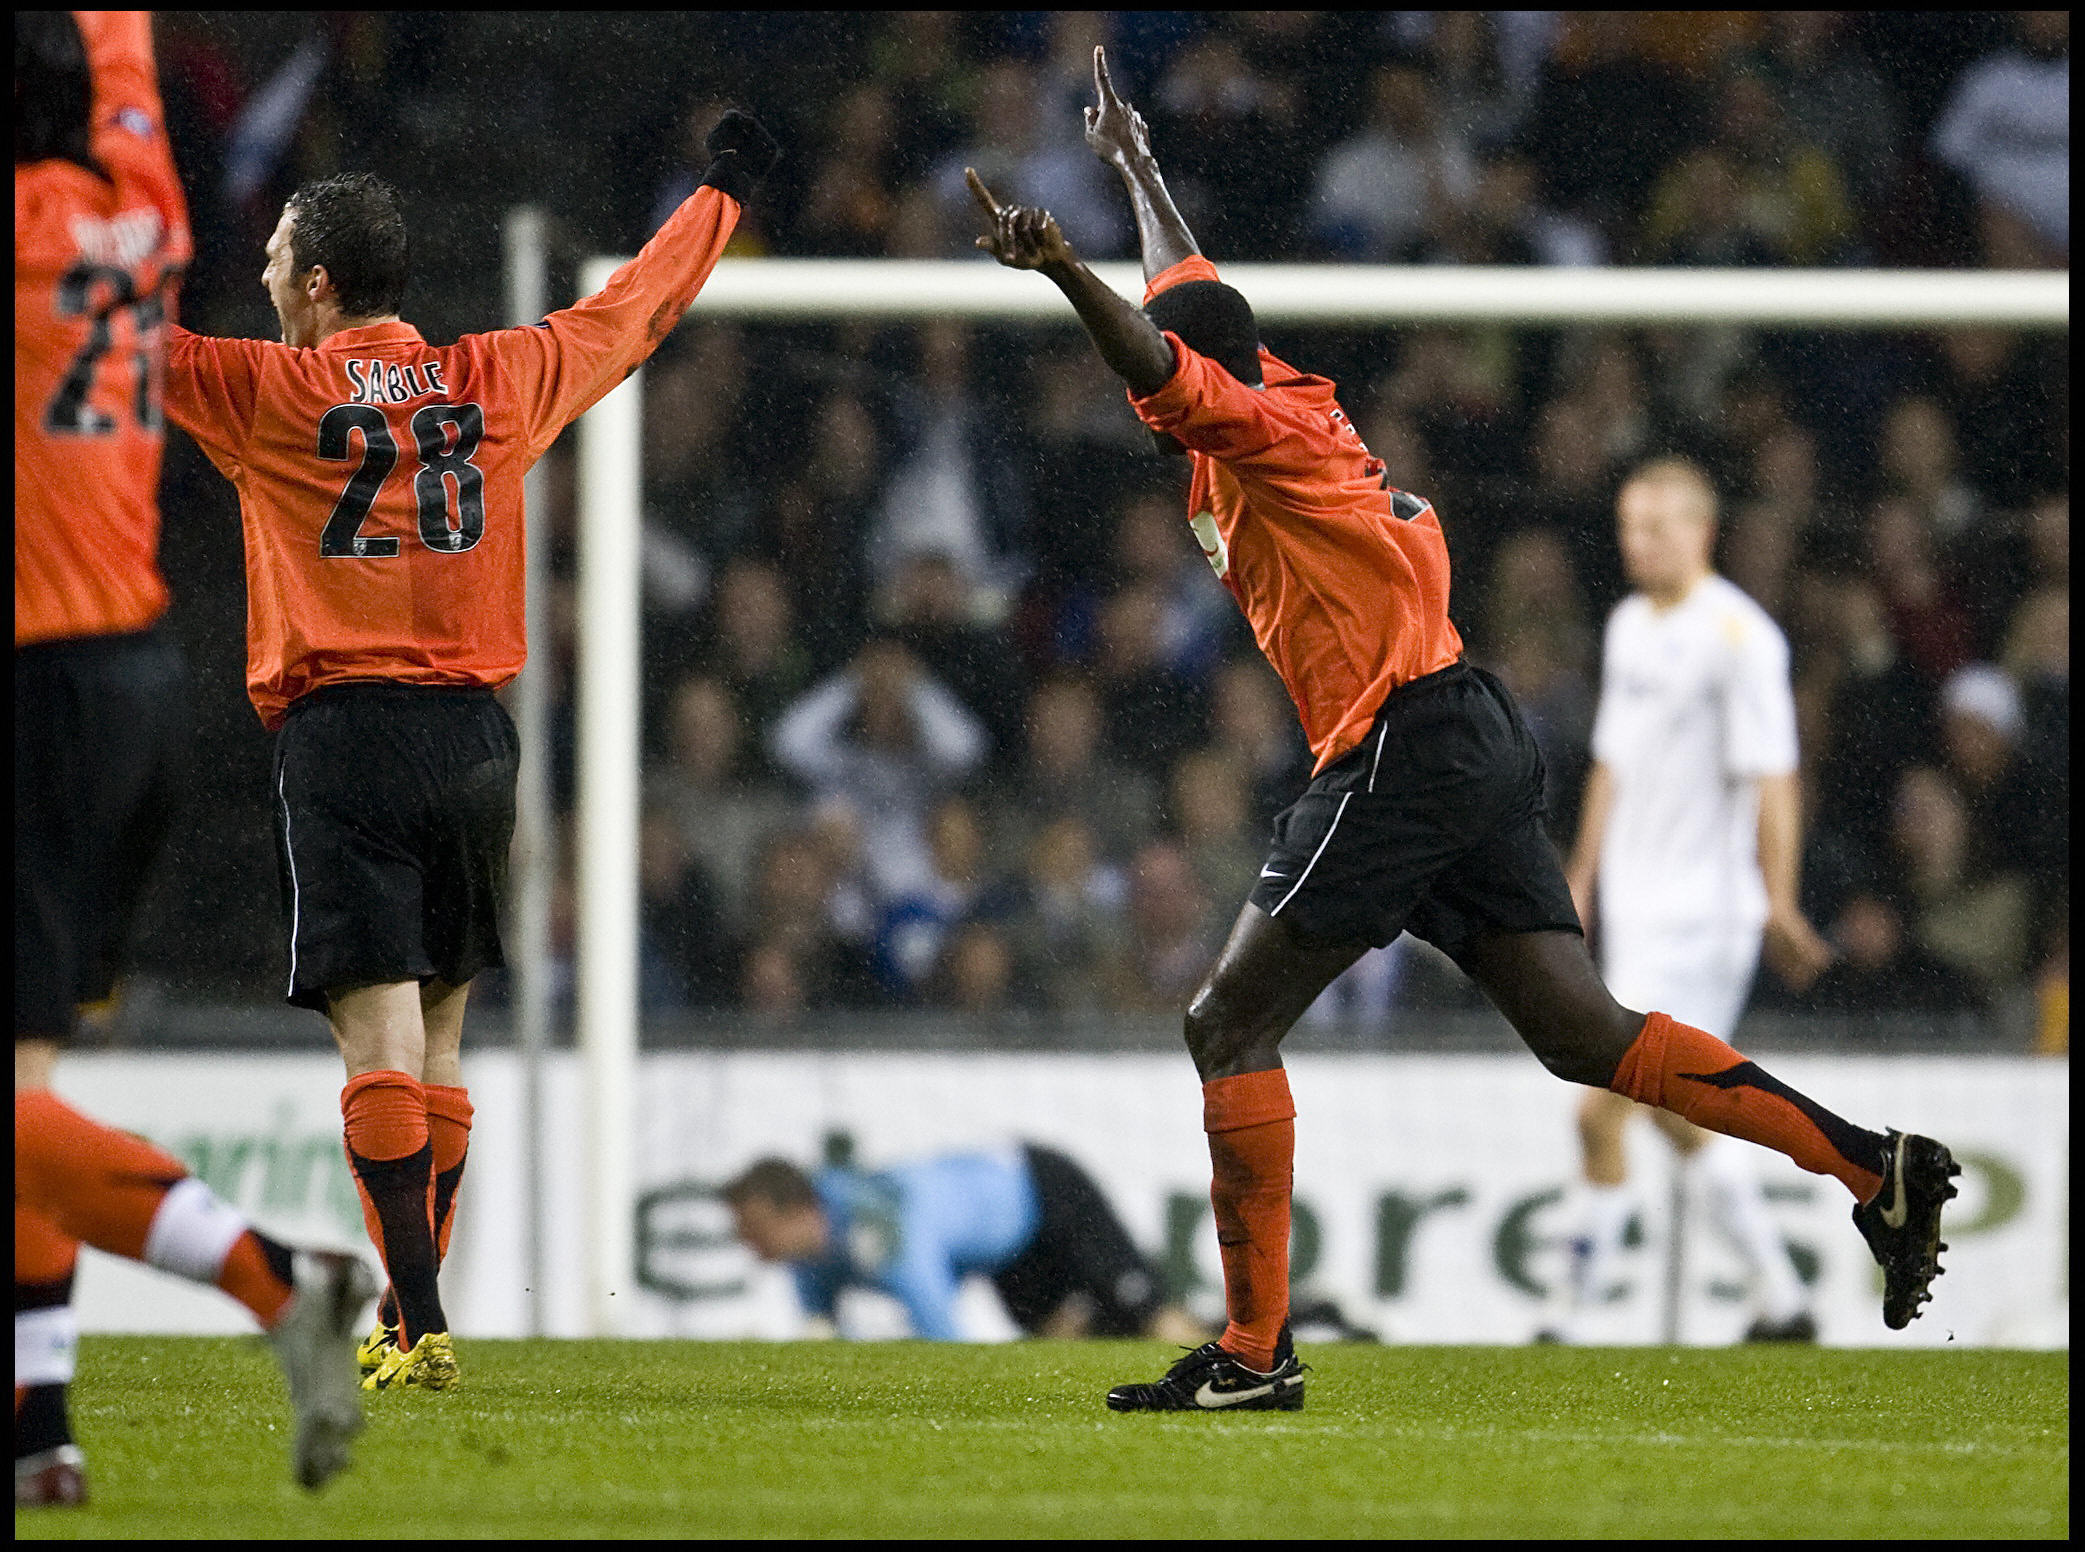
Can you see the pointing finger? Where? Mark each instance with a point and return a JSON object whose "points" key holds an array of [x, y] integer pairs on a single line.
{"points": [[980, 193], [1101, 83]]}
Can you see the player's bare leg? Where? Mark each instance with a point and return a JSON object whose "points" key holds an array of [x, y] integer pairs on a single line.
{"points": [[1546, 986], [1263, 981], [382, 1035]]}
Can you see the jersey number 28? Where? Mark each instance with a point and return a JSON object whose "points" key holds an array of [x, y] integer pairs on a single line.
{"points": [[441, 460]]}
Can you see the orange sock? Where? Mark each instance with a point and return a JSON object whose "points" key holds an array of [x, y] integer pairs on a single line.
{"points": [[385, 1116], [1251, 1122], [256, 1272], [1691, 1073], [449, 1115]]}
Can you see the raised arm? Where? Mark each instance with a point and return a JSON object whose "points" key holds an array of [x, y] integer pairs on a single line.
{"points": [[1115, 131], [1024, 238]]}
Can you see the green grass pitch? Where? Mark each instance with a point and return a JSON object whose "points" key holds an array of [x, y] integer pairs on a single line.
{"points": [[186, 1437]]}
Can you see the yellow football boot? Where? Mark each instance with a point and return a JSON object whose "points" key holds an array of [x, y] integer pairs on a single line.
{"points": [[429, 1363], [380, 1344]]}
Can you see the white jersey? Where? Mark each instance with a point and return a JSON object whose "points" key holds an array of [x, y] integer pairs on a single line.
{"points": [[1695, 707]]}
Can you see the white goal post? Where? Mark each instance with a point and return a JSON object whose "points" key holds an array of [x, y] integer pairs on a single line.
{"points": [[812, 290]]}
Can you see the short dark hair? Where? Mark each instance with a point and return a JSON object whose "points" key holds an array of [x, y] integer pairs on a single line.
{"points": [[777, 1182], [351, 224], [1214, 320], [52, 89]]}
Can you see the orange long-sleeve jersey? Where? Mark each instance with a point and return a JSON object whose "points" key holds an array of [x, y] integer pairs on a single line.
{"points": [[1343, 577], [380, 477], [96, 261]]}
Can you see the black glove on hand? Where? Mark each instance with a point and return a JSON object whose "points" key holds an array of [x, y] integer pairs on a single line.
{"points": [[741, 153]]}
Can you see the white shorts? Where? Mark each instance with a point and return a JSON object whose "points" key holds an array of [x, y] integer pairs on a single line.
{"points": [[1700, 975]]}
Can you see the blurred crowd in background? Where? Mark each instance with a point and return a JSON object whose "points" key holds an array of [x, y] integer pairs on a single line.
{"points": [[944, 708]]}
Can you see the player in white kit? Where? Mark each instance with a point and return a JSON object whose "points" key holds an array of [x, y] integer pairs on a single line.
{"points": [[1688, 844]]}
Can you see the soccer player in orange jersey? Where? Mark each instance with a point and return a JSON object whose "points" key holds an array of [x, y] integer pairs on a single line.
{"points": [[1435, 830], [380, 487], [100, 725]]}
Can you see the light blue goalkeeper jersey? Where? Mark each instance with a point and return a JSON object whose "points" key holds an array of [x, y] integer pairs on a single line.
{"points": [[915, 1231]]}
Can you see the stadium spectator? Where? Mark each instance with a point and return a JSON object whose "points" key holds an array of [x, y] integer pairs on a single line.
{"points": [[1212, 819], [1605, 122], [1406, 173], [1881, 968], [915, 928], [1834, 98], [697, 478], [1011, 135], [852, 201], [1982, 724], [1166, 945], [1088, 453], [1539, 641], [1229, 123], [796, 957], [1152, 548], [1926, 615], [1249, 721], [1918, 460], [684, 956], [2006, 128], [1505, 222], [709, 787], [754, 648], [1067, 908], [1753, 194], [1878, 714], [956, 484], [1027, 1217], [1976, 921], [886, 739], [2004, 392], [975, 973], [1470, 63], [1150, 710], [819, 518], [1067, 771], [934, 611]]}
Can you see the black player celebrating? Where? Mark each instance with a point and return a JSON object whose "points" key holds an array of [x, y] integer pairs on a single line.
{"points": [[1424, 813]]}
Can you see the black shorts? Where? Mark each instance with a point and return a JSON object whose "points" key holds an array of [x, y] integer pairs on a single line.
{"points": [[1080, 1252], [1432, 825], [394, 809], [101, 732]]}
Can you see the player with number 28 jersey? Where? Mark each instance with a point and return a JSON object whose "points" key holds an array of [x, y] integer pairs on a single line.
{"points": [[380, 476], [380, 486]]}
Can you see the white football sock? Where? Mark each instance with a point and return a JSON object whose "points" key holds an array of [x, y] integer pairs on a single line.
{"points": [[193, 1231], [1738, 1204], [46, 1345]]}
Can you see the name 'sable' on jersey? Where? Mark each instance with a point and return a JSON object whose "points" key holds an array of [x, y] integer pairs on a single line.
{"points": [[380, 477], [97, 258]]}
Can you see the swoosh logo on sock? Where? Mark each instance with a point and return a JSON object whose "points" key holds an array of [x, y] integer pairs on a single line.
{"points": [[1895, 1212], [1210, 1396]]}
